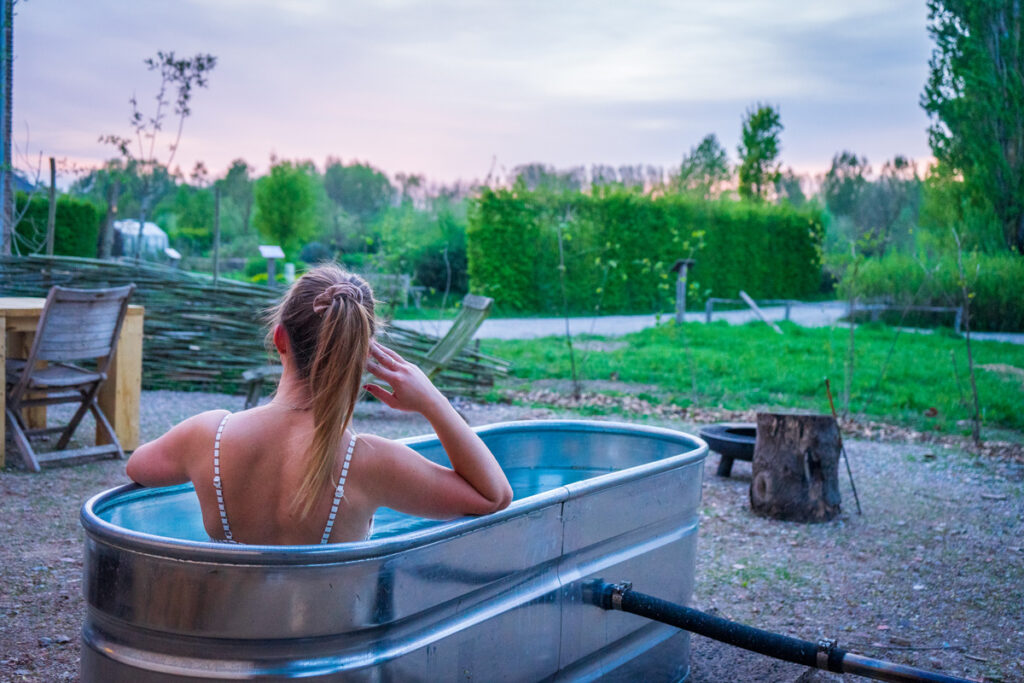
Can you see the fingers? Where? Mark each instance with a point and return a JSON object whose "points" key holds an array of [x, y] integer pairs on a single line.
{"points": [[380, 371], [382, 395], [385, 355]]}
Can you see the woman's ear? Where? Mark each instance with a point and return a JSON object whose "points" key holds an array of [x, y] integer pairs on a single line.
{"points": [[280, 339]]}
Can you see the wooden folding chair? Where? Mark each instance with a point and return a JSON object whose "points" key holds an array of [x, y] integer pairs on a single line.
{"points": [[475, 310], [76, 325]]}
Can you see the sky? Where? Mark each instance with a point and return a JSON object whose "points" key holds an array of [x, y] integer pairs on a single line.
{"points": [[458, 89]]}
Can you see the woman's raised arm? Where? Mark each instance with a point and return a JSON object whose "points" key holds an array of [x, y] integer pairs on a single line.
{"points": [[471, 460]]}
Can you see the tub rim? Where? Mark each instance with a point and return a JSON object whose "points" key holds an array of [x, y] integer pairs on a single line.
{"points": [[100, 530]]}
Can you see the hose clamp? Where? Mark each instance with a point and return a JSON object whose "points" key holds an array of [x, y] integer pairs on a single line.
{"points": [[825, 648], [617, 590]]}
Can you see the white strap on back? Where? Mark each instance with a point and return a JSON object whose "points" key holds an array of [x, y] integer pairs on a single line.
{"points": [[339, 492], [217, 480]]}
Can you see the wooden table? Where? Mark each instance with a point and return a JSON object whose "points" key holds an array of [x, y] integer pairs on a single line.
{"points": [[119, 396]]}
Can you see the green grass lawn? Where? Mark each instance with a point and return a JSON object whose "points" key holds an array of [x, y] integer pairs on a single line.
{"points": [[750, 366]]}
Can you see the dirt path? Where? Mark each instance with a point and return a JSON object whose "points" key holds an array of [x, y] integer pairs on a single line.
{"points": [[818, 314], [931, 575]]}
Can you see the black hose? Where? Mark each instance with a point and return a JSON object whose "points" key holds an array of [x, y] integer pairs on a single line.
{"points": [[822, 655]]}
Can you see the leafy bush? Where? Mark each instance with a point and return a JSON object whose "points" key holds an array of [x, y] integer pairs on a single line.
{"points": [[619, 247], [315, 252], [429, 244], [286, 204], [995, 282], [76, 227]]}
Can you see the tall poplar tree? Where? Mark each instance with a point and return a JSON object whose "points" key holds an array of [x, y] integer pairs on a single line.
{"points": [[759, 152], [975, 98], [705, 168]]}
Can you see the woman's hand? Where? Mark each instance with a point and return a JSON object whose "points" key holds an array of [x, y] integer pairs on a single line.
{"points": [[471, 459], [411, 390]]}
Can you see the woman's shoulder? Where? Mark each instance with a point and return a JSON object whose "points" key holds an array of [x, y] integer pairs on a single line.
{"points": [[205, 421], [377, 445], [381, 452], [193, 432], [171, 458]]}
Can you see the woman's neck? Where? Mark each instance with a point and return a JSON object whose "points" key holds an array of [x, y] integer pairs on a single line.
{"points": [[292, 392]]}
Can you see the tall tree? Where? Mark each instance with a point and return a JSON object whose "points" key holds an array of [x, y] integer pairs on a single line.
{"points": [[104, 186], [360, 189], [237, 187], [759, 152], [789, 188], [410, 187], [286, 204], [539, 176], [879, 212], [181, 75], [192, 209], [603, 174], [975, 98], [891, 205], [705, 169], [845, 183]]}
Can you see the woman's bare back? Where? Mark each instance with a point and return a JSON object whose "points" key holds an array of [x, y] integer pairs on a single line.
{"points": [[263, 456]]}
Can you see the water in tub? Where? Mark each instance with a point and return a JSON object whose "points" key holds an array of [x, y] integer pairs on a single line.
{"points": [[173, 512]]}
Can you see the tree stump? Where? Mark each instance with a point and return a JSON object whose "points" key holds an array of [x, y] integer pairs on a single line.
{"points": [[796, 467]]}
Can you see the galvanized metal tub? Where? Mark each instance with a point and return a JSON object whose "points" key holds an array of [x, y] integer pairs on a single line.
{"points": [[499, 597]]}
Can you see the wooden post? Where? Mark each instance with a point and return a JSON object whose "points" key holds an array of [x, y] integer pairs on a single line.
{"points": [[51, 217], [120, 395], [796, 467], [6, 167], [216, 232], [107, 232]]}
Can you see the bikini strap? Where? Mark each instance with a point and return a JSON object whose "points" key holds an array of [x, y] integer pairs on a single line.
{"points": [[217, 484], [338, 492]]}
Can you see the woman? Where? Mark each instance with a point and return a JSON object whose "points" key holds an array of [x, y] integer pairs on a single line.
{"points": [[293, 471]]}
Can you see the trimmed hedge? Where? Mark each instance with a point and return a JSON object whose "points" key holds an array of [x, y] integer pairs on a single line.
{"points": [[620, 245], [996, 282], [76, 228]]}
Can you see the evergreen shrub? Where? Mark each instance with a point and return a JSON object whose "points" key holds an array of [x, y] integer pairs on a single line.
{"points": [[994, 282], [619, 246], [76, 227]]}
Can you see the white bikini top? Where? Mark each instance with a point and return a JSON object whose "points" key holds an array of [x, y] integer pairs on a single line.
{"points": [[218, 486]]}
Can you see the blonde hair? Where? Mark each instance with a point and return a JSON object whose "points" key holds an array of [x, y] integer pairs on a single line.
{"points": [[328, 315]]}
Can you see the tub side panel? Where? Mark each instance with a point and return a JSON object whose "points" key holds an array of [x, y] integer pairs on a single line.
{"points": [[645, 532], [610, 449], [442, 607]]}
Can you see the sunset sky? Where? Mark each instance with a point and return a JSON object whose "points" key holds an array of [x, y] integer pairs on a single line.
{"points": [[449, 88]]}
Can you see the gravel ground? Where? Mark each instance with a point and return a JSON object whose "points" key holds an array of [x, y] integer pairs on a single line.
{"points": [[931, 575]]}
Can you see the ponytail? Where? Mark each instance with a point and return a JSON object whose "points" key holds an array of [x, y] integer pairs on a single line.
{"points": [[329, 317]]}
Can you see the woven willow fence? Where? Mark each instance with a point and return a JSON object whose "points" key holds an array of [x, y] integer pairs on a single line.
{"points": [[202, 335]]}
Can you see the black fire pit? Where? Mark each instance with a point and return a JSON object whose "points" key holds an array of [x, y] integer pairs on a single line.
{"points": [[733, 440]]}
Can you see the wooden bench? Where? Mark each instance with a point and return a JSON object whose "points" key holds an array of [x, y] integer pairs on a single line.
{"points": [[475, 310]]}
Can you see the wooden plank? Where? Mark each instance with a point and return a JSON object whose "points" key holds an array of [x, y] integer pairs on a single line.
{"points": [[120, 395], [72, 456], [19, 343], [758, 312]]}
